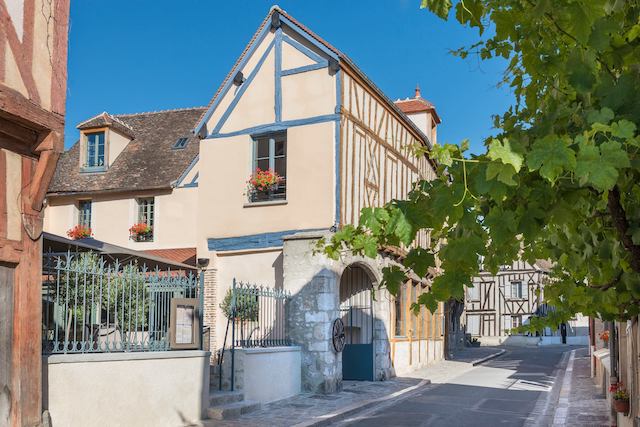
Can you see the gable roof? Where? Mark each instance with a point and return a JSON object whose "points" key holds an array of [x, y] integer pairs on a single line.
{"points": [[418, 105], [340, 56], [147, 162], [105, 119]]}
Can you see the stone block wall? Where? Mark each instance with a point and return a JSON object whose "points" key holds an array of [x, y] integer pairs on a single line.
{"points": [[314, 282]]}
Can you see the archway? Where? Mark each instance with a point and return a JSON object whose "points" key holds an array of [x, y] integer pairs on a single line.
{"points": [[356, 312]]}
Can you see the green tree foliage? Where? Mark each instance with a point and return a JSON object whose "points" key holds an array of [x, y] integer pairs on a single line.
{"points": [[246, 304], [559, 178]]}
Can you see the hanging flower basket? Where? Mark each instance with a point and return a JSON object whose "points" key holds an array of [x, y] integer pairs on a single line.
{"points": [[262, 184], [140, 232], [79, 232], [620, 398]]}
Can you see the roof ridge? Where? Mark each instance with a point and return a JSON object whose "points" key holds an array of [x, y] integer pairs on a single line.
{"points": [[92, 117], [170, 110]]}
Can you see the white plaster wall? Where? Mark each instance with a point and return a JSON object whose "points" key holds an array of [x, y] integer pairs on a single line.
{"points": [[408, 356], [113, 215], [126, 389], [271, 374]]}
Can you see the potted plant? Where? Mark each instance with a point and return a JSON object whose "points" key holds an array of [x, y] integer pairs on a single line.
{"points": [[140, 232], [79, 232], [620, 398], [604, 336], [262, 184], [243, 310]]}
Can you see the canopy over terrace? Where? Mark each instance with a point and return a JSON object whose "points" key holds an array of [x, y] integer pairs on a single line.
{"points": [[58, 245]]}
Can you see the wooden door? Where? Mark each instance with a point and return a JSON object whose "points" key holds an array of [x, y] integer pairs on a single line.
{"points": [[6, 333]]}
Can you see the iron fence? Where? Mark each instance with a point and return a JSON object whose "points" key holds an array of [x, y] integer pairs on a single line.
{"points": [[91, 305], [259, 316]]}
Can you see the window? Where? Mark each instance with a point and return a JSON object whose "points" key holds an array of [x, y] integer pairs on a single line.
{"points": [[180, 143], [400, 310], [414, 318], [94, 150], [146, 213], [516, 290], [473, 293], [516, 321], [84, 213], [473, 324], [270, 153]]}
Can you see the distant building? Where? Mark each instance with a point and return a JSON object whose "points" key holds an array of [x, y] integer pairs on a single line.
{"points": [[497, 304]]}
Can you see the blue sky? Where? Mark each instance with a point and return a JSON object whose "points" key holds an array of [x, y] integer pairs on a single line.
{"points": [[132, 56]]}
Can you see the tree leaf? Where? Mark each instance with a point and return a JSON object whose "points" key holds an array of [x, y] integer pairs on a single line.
{"points": [[552, 157]]}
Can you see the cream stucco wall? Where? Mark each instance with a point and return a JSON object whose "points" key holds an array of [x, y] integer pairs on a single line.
{"points": [[116, 144], [113, 215], [256, 267], [126, 389], [223, 210]]}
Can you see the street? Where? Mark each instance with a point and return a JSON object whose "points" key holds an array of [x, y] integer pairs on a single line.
{"points": [[514, 389]]}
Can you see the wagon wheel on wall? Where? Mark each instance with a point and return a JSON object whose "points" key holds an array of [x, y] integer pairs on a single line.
{"points": [[338, 335]]}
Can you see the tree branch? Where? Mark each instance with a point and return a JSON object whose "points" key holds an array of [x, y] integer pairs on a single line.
{"points": [[621, 224]]}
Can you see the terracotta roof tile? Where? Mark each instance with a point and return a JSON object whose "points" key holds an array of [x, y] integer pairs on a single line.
{"points": [[147, 162], [183, 255], [417, 105]]}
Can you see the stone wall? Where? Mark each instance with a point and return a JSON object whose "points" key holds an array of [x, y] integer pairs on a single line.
{"points": [[314, 282]]}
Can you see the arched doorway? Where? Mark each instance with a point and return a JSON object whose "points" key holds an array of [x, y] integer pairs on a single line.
{"points": [[356, 312]]}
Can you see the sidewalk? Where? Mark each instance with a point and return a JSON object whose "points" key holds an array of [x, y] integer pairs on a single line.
{"points": [[307, 409], [581, 402], [477, 355]]}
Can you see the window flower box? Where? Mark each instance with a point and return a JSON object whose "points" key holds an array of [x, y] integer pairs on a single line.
{"points": [[79, 232], [141, 232], [265, 185]]}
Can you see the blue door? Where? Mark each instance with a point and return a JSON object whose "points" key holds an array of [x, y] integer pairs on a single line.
{"points": [[356, 312]]}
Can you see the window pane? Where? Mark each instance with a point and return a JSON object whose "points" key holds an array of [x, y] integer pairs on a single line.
{"points": [[281, 167], [91, 150], [280, 147], [400, 304], [263, 148], [263, 164], [84, 213]]}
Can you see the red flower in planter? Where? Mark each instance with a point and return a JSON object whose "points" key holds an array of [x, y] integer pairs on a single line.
{"points": [[140, 229], [264, 180], [79, 232]]}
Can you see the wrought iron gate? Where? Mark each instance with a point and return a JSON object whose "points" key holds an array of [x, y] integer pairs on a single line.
{"points": [[356, 312]]}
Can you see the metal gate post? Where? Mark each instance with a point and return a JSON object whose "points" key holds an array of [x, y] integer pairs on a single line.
{"points": [[233, 333]]}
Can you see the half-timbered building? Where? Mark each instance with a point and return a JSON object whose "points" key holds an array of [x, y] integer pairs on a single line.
{"points": [[498, 303], [297, 106], [33, 63]]}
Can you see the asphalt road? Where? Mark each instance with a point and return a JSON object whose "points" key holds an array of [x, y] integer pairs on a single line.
{"points": [[501, 392]]}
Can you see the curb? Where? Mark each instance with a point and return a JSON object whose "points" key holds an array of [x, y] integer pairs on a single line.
{"points": [[344, 413], [489, 357]]}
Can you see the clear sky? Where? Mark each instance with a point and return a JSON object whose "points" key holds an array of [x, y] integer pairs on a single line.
{"points": [[132, 56]]}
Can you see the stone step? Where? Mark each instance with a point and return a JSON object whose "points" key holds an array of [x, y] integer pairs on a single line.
{"points": [[218, 398], [232, 410]]}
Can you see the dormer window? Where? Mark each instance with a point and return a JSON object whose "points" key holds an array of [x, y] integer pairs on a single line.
{"points": [[94, 150]]}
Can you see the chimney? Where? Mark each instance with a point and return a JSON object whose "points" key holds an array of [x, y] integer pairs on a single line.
{"points": [[417, 91]]}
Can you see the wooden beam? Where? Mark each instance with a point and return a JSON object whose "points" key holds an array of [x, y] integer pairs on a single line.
{"points": [[16, 131], [15, 107]]}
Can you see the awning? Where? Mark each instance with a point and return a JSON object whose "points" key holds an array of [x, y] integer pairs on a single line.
{"points": [[53, 244]]}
